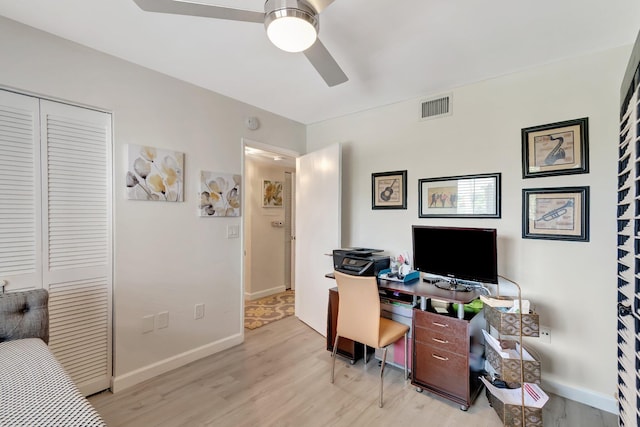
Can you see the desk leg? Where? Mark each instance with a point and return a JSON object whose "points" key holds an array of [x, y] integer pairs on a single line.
{"points": [[460, 311]]}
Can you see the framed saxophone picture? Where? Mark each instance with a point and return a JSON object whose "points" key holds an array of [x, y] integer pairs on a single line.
{"points": [[556, 149], [389, 190], [556, 213]]}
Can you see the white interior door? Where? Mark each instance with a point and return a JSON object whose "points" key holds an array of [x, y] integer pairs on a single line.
{"points": [[289, 227], [318, 214]]}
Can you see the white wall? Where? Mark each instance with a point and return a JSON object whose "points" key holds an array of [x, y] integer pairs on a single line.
{"points": [[166, 258], [571, 284], [264, 243]]}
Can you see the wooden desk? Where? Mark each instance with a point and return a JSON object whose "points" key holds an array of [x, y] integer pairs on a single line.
{"points": [[422, 289], [440, 341], [426, 291]]}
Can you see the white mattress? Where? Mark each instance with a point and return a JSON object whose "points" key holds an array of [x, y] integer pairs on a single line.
{"points": [[36, 391]]}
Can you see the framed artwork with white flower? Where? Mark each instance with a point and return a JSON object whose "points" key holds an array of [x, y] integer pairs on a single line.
{"points": [[155, 174], [219, 194], [272, 193]]}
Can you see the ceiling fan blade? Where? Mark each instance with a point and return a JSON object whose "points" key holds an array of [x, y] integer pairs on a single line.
{"points": [[199, 9], [320, 5], [324, 63]]}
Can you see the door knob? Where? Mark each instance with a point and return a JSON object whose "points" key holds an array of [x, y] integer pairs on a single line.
{"points": [[624, 310]]}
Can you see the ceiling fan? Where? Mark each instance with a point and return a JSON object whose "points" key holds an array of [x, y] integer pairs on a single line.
{"points": [[292, 25]]}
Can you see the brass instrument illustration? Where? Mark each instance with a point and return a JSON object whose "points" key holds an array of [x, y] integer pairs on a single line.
{"points": [[557, 212], [557, 153]]}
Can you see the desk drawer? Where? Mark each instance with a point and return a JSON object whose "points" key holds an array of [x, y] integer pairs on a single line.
{"points": [[441, 370], [443, 338], [437, 322]]}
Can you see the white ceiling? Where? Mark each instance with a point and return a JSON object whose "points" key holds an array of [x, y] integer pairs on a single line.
{"points": [[390, 50]]}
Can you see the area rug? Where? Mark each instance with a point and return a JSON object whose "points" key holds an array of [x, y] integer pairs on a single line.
{"points": [[268, 309]]}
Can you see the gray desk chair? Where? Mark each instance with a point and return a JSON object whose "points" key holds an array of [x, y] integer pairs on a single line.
{"points": [[359, 320]]}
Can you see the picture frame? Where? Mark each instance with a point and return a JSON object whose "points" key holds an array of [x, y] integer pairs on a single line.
{"points": [[219, 194], [389, 190], [272, 193], [560, 213], [154, 174], [560, 148], [465, 196]]}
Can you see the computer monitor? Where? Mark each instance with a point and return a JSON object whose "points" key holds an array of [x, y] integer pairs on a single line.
{"points": [[468, 254]]}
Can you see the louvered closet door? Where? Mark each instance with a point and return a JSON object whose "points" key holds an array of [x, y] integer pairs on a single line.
{"points": [[75, 144], [628, 251], [20, 218], [55, 225]]}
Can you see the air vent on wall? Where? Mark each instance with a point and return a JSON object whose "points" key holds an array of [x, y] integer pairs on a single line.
{"points": [[436, 107]]}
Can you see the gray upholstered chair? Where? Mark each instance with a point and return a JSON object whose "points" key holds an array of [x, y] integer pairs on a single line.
{"points": [[359, 320], [24, 315]]}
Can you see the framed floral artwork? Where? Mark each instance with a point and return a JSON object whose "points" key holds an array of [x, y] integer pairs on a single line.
{"points": [[154, 174], [271, 193], [219, 194]]}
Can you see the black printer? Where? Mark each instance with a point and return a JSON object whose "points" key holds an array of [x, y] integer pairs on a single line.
{"points": [[360, 261]]}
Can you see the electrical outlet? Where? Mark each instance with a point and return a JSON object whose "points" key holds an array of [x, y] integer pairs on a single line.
{"points": [[198, 312], [148, 323], [163, 319], [545, 334]]}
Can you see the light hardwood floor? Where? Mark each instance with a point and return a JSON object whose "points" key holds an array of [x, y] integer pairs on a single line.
{"points": [[280, 377]]}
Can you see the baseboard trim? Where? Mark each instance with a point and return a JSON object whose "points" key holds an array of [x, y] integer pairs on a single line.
{"points": [[264, 293], [586, 397], [122, 382]]}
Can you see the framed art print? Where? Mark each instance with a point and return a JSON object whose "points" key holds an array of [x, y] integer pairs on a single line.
{"points": [[556, 213], [154, 174], [219, 194], [468, 196], [389, 190], [272, 193], [556, 149]]}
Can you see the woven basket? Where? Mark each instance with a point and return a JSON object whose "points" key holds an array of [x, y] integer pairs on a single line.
{"points": [[509, 323], [511, 415]]}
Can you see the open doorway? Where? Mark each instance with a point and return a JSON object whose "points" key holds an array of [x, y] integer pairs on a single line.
{"points": [[268, 229]]}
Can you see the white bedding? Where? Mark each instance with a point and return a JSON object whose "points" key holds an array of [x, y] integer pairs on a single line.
{"points": [[36, 391]]}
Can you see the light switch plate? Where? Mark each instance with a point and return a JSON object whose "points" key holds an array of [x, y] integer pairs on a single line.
{"points": [[198, 312], [163, 319], [233, 231]]}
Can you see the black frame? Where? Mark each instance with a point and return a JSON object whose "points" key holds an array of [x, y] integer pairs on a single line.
{"points": [[582, 234], [422, 183], [377, 197], [581, 158]]}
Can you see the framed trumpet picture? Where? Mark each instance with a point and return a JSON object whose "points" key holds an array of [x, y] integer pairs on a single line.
{"points": [[556, 149], [389, 190], [556, 213]]}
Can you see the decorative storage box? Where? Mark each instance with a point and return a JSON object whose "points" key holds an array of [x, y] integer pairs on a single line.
{"points": [[509, 323], [511, 415], [509, 369]]}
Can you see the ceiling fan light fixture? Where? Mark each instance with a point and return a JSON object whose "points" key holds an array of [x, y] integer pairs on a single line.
{"points": [[291, 25]]}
